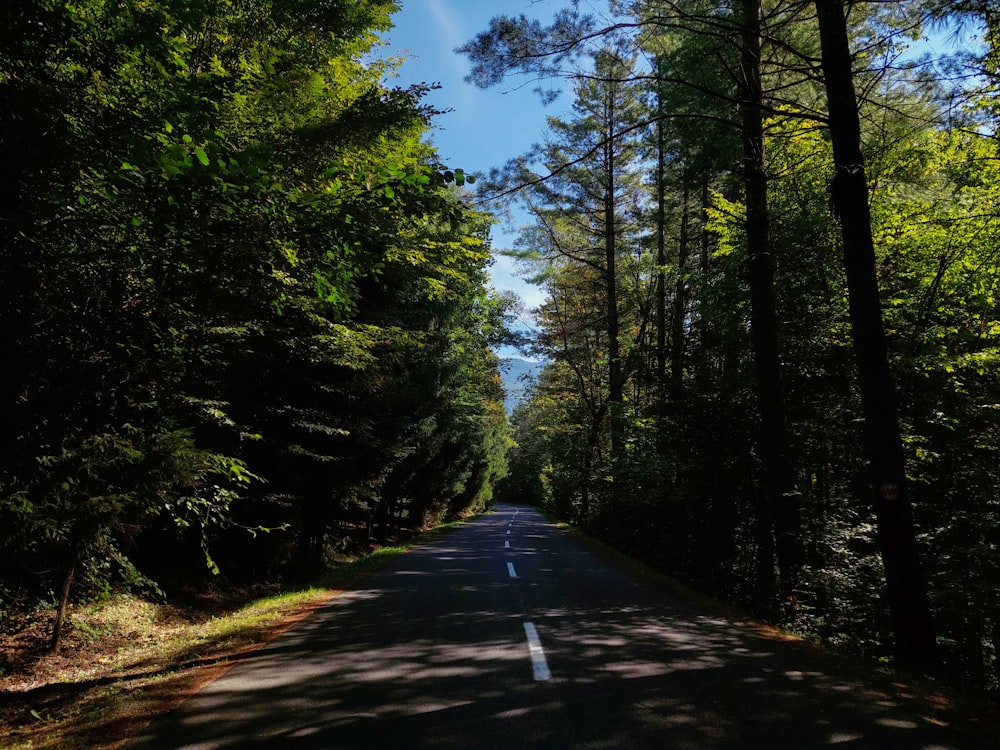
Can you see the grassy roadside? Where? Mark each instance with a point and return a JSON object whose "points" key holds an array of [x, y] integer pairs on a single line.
{"points": [[124, 660]]}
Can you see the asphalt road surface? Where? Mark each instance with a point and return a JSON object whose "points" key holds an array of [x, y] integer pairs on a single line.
{"points": [[507, 633]]}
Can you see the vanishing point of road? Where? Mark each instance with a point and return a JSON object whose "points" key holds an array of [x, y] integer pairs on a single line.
{"points": [[507, 633]]}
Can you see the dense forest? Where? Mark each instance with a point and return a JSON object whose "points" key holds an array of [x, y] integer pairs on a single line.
{"points": [[768, 232], [247, 320], [245, 313]]}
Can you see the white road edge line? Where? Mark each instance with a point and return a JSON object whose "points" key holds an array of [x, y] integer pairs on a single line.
{"points": [[510, 569], [539, 666]]}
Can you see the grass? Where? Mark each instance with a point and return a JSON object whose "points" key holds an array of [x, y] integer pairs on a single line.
{"points": [[126, 659]]}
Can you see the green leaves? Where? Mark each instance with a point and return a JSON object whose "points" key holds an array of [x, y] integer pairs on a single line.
{"points": [[458, 177], [233, 257]]}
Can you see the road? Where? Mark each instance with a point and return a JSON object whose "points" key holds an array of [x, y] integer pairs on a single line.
{"points": [[507, 633]]}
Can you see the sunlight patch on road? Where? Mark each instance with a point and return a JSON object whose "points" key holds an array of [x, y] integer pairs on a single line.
{"points": [[634, 669], [432, 707], [840, 738], [896, 723]]}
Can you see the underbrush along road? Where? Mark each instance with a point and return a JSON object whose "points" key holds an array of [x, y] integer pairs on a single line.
{"points": [[507, 633]]}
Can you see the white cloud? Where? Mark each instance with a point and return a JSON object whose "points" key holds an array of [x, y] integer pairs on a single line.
{"points": [[452, 35], [504, 277]]}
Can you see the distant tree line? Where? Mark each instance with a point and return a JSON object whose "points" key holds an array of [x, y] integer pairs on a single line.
{"points": [[244, 311]]}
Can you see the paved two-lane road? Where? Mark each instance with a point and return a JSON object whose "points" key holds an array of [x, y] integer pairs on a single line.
{"points": [[506, 633]]}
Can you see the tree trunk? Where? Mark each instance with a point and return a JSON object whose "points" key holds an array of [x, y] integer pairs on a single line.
{"points": [[383, 511], [661, 263], [593, 434], [704, 360], [312, 532], [775, 509], [615, 374], [995, 667], [680, 300], [61, 608], [909, 604]]}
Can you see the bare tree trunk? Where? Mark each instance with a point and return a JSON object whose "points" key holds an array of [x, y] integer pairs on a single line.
{"points": [[774, 509], [57, 626], [909, 604]]}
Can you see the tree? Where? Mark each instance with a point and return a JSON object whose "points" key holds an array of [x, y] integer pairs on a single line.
{"points": [[585, 216], [916, 647], [226, 256], [519, 45], [916, 231]]}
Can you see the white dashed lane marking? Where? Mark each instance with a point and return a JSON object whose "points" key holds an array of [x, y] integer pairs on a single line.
{"points": [[539, 665]]}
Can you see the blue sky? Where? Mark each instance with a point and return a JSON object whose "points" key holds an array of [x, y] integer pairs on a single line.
{"points": [[485, 128]]}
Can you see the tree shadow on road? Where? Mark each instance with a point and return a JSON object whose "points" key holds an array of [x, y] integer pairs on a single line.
{"points": [[408, 663]]}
